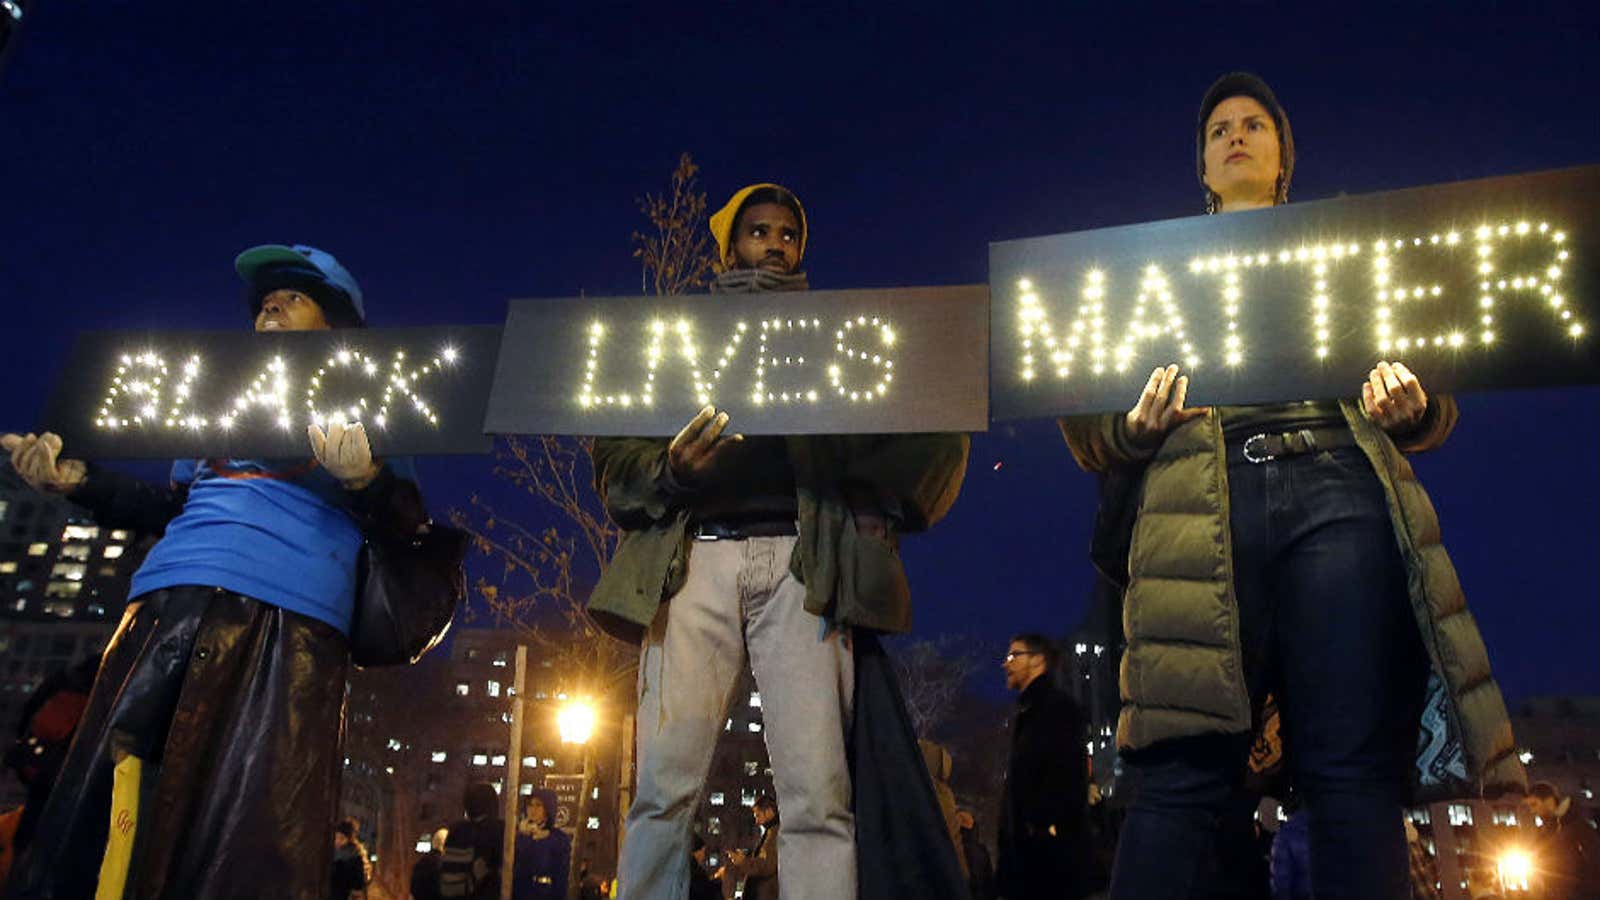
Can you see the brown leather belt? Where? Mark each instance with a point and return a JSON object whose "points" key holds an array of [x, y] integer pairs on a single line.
{"points": [[1267, 446]]}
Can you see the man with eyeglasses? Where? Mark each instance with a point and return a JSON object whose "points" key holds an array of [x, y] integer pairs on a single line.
{"points": [[1044, 829]]}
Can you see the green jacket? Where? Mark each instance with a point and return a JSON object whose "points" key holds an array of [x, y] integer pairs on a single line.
{"points": [[852, 579], [1183, 675]]}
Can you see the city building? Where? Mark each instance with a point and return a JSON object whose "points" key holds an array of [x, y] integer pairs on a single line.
{"points": [[740, 772], [418, 735], [63, 585], [1088, 670]]}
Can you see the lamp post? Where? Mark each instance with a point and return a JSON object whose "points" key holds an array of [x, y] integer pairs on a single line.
{"points": [[576, 721], [513, 778]]}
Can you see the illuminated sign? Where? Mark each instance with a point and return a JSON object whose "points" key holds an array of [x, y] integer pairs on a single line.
{"points": [[237, 393], [908, 359], [1481, 284]]}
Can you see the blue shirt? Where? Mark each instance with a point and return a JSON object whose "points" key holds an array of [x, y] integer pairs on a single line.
{"points": [[275, 530]]}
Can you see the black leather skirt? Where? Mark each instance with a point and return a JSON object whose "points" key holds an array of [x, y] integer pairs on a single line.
{"points": [[235, 708]]}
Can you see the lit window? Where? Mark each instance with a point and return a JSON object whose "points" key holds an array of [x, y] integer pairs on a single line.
{"points": [[75, 551], [1460, 814], [113, 551], [530, 762], [714, 825], [1526, 756], [752, 767], [424, 845], [755, 727], [463, 689], [480, 759], [594, 823], [1421, 816], [747, 797], [728, 726], [499, 759], [60, 608], [755, 699], [718, 798], [38, 549], [7, 567], [499, 785], [63, 588], [594, 793], [80, 533], [120, 535], [394, 744], [1505, 817], [440, 756], [69, 571], [549, 763], [494, 688], [500, 659]]}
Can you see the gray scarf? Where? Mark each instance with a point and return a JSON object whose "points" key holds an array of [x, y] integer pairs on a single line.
{"points": [[754, 281]]}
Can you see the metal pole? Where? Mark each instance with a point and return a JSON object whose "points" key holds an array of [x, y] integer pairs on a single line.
{"points": [[624, 783], [582, 813], [508, 846]]}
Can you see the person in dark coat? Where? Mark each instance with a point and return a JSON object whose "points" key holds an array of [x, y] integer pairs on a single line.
{"points": [[759, 868], [349, 870], [1044, 810], [1568, 850], [473, 850], [425, 873], [225, 681], [980, 870], [543, 852], [701, 885]]}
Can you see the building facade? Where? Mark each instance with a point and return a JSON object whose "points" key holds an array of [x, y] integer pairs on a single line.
{"points": [[418, 735], [63, 586]]}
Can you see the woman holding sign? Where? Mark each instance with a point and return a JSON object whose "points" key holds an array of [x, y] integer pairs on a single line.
{"points": [[1286, 550]]}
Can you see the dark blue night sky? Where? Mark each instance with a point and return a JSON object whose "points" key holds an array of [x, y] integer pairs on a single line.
{"points": [[457, 155]]}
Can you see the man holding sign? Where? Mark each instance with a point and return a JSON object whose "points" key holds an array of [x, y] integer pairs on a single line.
{"points": [[773, 546], [226, 678], [1285, 549]]}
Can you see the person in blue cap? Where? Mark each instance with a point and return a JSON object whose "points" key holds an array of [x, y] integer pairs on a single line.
{"points": [[216, 715]]}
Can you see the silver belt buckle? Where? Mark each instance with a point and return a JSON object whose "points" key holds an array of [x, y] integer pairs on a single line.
{"points": [[1255, 441]]}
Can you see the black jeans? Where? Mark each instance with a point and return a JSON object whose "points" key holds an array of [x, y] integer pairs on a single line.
{"points": [[1326, 626]]}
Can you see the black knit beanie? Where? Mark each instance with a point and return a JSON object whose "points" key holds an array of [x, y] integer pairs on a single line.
{"points": [[1244, 84]]}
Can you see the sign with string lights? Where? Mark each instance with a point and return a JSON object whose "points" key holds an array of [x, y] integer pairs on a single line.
{"points": [[907, 359], [1479, 284], [139, 394]]}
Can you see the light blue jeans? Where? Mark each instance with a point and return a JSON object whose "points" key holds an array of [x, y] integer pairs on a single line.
{"points": [[739, 598]]}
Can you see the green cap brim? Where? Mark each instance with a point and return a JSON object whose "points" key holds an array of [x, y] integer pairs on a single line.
{"points": [[251, 261]]}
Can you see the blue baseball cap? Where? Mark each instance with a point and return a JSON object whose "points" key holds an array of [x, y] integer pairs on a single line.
{"points": [[268, 267]]}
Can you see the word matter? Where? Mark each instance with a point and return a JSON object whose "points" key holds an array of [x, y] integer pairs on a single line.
{"points": [[1299, 302]]}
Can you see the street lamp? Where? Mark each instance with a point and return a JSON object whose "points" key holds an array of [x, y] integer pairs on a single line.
{"points": [[1515, 867], [576, 722]]}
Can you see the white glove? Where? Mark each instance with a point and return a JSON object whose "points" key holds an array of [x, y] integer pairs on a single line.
{"points": [[345, 453], [36, 459]]}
